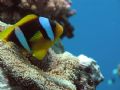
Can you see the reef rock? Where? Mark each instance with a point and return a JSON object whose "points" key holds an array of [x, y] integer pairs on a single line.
{"points": [[55, 72]]}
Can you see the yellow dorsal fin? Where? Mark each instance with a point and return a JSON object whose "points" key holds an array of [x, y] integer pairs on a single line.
{"points": [[26, 19]]}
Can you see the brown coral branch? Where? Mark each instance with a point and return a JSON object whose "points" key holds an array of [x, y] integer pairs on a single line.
{"points": [[13, 10]]}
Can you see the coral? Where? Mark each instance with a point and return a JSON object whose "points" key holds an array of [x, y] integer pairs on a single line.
{"points": [[56, 71], [18, 69], [91, 69], [13, 10], [4, 83]]}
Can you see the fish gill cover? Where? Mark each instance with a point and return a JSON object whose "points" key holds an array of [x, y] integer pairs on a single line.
{"points": [[59, 70]]}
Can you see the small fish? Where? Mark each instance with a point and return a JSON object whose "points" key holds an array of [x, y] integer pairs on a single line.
{"points": [[116, 71], [111, 81], [34, 34]]}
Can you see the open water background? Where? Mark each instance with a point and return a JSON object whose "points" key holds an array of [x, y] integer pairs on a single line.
{"points": [[97, 35]]}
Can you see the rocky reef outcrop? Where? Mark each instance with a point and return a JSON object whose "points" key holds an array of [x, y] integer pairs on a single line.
{"points": [[55, 72]]}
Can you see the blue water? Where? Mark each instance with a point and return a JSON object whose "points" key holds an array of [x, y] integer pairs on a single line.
{"points": [[97, 35]]}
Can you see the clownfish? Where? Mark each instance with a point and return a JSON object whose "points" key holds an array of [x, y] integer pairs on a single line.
{"points": [[34, 34]]}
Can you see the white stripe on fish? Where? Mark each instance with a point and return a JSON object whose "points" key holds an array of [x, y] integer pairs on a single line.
{"points": [[46, 25]]}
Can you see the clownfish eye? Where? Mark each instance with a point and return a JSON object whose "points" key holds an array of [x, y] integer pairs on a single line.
{"points": [[45, 23]]}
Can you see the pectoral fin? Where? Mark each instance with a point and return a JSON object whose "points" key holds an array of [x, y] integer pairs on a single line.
{"points": [[39, 54]]}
